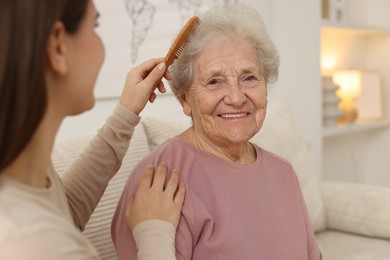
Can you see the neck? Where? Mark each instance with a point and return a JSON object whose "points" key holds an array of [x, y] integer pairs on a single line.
{"points": [[242, 153], [31, 165]]}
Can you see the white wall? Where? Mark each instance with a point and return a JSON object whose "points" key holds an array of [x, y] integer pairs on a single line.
{"points": [[165, 107], [298, 43], [378, 158], [295, 30], [362, 157]]}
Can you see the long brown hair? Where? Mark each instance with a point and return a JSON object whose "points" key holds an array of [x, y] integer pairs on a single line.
{"points": [[25, 26]]}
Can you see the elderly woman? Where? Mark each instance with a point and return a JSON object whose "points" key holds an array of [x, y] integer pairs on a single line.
{"points": [[242, 202]]}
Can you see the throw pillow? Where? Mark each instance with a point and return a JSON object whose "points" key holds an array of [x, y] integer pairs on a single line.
{"points": [[98, 228]]}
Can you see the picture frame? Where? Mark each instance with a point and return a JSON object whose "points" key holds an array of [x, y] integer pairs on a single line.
{"points": [[370, 103]]}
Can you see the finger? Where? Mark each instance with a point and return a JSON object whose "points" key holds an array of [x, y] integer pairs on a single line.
{"points": [[159, 177], [155, 76], [180, 195], [146, 67], [172, 184], [168, 75], [161, 87], [152, 97], [147, 178]]}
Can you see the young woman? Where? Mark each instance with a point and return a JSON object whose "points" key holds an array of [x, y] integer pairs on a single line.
{"points": [[50, 56]]}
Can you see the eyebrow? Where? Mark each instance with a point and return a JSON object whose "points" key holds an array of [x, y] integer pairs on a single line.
{"points": [[220, 71]]}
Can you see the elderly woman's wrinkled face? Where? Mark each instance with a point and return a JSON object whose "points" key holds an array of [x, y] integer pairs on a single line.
{"points": [[228, 96]]}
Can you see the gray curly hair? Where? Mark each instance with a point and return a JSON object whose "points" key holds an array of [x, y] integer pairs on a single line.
{"points": [[237, 20]]}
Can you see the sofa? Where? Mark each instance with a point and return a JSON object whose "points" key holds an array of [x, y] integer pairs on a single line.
{"points": [[351, 221]]}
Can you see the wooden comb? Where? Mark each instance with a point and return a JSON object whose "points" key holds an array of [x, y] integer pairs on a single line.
{"points": [[181, 39]]}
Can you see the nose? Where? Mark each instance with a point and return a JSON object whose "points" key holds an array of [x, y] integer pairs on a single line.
{"points": [[235, 96]]}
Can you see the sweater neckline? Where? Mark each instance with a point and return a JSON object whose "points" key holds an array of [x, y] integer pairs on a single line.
{"points": [[243, 167]]}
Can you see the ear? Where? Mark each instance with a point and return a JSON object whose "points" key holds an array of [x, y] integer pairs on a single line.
{"points": [[56, 49], [185, 104]]}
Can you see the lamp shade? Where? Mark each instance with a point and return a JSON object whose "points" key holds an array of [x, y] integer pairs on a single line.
{"points": [[349, 81]]}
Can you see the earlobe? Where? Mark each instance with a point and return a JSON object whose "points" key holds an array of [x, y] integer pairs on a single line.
{"points": [[185, 105], [56, 49]]}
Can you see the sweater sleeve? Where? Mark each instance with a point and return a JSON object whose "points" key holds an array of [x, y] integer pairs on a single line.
{"points": [[313, 250], [155, 239], [86, 180]]}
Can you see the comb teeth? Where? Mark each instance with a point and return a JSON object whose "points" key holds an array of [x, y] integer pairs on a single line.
{"points": [[182, 38], [180, 50]]}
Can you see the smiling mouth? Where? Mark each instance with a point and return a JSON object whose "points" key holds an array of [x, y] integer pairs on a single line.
{"points": [[233, 116]]}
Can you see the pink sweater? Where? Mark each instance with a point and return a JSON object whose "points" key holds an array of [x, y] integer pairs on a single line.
{"points": [[231, 211]]}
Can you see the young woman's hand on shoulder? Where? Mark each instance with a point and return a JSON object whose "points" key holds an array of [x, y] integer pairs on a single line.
{"points": [[156, 198]]}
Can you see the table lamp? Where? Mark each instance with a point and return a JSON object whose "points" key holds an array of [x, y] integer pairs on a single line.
{"points": [[350, 83]]}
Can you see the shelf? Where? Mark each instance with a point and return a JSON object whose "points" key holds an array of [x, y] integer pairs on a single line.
{"points": [[355, 28], [357, 127]]}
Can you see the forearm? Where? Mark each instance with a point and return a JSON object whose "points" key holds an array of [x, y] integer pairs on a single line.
{"points": [[155, 239], [86, 180]]}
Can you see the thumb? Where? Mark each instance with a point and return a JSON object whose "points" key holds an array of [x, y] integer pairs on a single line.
{"points": [[155, 75]]}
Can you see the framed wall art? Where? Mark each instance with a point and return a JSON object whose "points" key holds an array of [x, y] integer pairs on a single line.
{"points": [[134, 31]]}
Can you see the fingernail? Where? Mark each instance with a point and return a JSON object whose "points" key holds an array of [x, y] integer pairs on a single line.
{"points": [[161, 66]]}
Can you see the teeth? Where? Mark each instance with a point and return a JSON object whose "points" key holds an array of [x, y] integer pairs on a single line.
{"points": [[233, 115]]}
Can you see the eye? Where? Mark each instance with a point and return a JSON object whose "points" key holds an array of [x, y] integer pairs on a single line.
{"points": [[250, 78], [97, 22], [212, 82], [215, 83], [97, 18]]}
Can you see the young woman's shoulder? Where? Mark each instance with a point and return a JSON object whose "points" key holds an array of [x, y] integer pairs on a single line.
{"points": [[40, 236]]}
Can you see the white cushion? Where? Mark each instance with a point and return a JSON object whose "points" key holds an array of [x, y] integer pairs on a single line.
{"points": [[280, 135], [357, 208], [98, 227], [159, 131], [345, 246]]}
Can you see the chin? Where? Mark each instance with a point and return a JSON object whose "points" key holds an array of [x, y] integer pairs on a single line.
{"points": [[239, 139], [242, 135], [92, 103], [84, 107]]}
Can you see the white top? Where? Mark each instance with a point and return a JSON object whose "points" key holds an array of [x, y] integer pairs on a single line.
{"points": [[39, 224]]}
